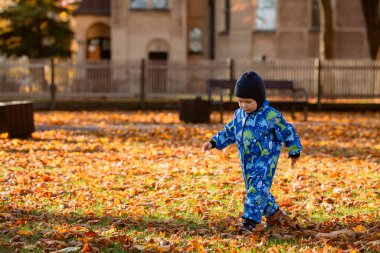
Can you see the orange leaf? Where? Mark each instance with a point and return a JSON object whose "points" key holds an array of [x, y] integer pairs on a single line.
{"points": [[87, 248], [90, 234]]}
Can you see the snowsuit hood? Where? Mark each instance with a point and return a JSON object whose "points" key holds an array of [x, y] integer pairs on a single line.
{"points": [[251, 85]]}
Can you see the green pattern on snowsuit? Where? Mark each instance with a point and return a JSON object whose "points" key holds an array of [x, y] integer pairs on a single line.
{"points": [[259, 137]]}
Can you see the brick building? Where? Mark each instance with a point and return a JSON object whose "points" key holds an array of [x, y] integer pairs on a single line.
{"points": [[184, 30]]}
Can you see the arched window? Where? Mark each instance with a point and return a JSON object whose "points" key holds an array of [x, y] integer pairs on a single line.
{"points": [[266, 15], [195, 40], [98, 42]]}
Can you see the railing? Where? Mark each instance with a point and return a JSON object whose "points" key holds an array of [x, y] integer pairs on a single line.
{"points": [[327, 79]]}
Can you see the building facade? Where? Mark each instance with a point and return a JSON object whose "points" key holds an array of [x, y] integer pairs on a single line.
{"points": [[186, 30]]}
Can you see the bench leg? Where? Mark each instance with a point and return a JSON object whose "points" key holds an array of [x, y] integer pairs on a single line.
{"points": [[221, 112], [305, 110], [293, 114]]}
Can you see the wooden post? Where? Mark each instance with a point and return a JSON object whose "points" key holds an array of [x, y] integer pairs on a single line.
{"points": [[319, 95], [232, 69], [53, 87], [142, 84], [230, 76]]}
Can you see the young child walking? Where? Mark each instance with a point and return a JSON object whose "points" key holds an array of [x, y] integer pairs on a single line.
{"points": [[259, 132]]}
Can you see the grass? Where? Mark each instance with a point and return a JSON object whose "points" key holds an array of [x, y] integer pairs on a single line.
{"points": [[146, 186]]}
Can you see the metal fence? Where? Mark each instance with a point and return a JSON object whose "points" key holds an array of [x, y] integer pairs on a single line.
{"points": [[144, 79]]}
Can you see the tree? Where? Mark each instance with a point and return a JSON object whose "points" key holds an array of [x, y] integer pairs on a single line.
{"points": [[326, 41], [371, 14], [37, 29]]}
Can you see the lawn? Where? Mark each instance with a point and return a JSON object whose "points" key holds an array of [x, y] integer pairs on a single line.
{"points": [[138, 182]]}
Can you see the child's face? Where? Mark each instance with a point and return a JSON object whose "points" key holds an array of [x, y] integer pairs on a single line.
{"points": [[247, 104]]}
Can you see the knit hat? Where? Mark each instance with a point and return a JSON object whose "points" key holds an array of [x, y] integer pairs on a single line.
{"points": [[251, 85]]}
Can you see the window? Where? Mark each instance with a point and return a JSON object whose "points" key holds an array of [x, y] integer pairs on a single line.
{"points": [[138, 4], [160, 4], [149, 4], [315, 22], [195, 40], [266, 15], [98, 48]]}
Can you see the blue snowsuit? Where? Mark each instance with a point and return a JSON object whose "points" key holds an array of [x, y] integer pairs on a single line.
{"points": [[259, 137]]}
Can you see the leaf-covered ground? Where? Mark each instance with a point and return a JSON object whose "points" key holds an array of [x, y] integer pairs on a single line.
{"points": [[138, 181]]}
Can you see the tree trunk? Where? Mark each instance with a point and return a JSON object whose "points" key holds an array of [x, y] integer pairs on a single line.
{"points": [[371, 14], [326, 39]]}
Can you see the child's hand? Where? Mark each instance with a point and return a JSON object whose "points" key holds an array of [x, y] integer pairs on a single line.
{"points": [[294, 160], [207, 146]]}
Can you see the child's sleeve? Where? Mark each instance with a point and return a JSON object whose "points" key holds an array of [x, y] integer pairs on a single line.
{"points": [[287, 134], [225, 137]]}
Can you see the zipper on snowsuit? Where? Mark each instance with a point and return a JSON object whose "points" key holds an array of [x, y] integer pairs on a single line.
{"points": [[242, 140]]}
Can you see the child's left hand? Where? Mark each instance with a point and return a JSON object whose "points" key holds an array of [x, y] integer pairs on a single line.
{"points": [[294, 160]]}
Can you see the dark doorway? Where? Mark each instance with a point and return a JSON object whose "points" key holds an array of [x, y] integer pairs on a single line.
{"points": [[157, 72], [163, 56], [98, 68]]}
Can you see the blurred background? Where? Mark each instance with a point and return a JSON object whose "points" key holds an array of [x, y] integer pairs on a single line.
{"points": [[142, 50]]}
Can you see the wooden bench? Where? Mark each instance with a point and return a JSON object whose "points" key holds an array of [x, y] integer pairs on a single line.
{"points": [[16, 119], [279, 85]]}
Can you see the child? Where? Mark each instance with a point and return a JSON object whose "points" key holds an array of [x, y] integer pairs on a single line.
{"points": [[259, 132]]}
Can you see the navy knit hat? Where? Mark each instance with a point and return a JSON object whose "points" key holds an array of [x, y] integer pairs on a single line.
{"points": [[251, 85]]}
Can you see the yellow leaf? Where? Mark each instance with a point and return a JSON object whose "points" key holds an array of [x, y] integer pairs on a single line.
{"points": [[117, 201], [81, 198], [24, 232], [360, 228]]}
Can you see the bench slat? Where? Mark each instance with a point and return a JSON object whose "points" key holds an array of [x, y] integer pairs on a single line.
{"points": [[269, 85], [279, 85]]}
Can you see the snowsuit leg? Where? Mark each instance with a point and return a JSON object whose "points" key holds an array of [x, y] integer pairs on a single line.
{"points": [[271, 207], [259, 201]]}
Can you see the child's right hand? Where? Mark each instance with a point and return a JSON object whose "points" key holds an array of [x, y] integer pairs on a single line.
{"points": [[207, 146]]}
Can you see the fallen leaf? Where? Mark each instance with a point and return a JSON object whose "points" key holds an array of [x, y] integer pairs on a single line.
{"points": [[87, 248], [68, 250], [360, 228], [24, 232], [345, 233]]}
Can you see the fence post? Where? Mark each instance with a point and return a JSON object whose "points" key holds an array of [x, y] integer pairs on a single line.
{"points": [[142, 84], [231, 68], [53, 87], [319, 95]]}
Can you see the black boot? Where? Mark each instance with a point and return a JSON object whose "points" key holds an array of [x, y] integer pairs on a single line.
{"points": [[279, 218], [248, 226]]}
